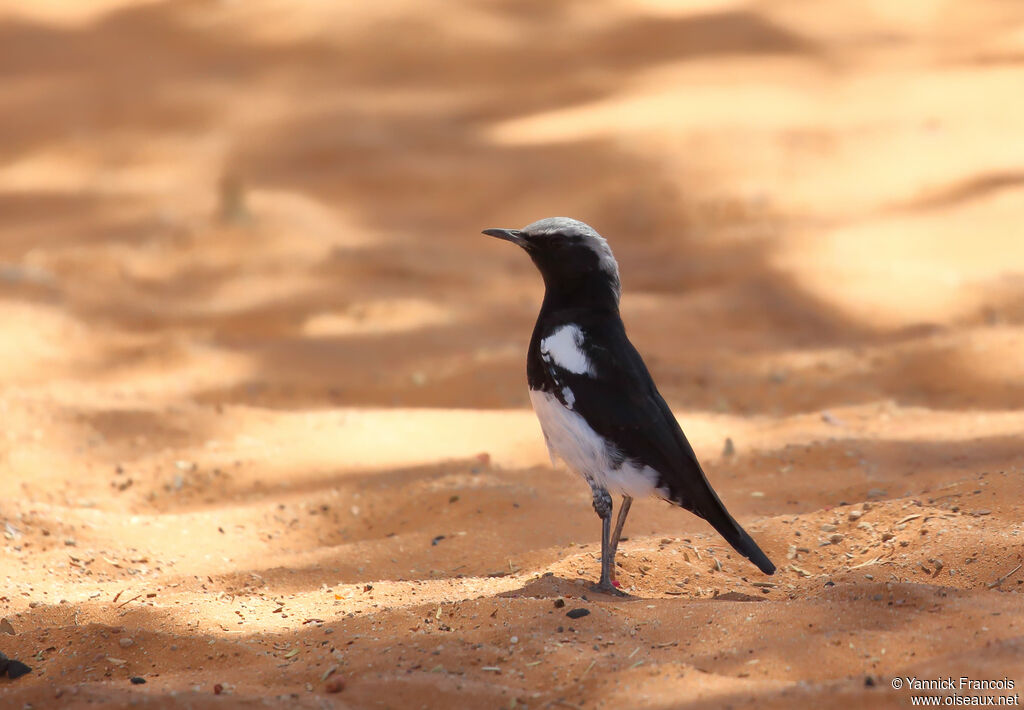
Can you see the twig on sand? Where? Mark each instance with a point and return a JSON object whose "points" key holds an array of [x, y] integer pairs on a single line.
{"points": [[584, 673], [993, 585], [125, 603]]}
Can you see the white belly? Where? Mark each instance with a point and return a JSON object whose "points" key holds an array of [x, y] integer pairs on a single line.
{"points": [[571, 439]]}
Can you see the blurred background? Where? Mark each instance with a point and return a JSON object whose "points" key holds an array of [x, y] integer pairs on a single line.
{"points": [[280, 203], [242, 277]]}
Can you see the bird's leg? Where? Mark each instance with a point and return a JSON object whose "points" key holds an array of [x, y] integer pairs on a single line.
{"points": [[619, 523], [603, 507]]}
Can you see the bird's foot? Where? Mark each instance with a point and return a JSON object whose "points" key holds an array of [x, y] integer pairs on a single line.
{"points": [[607, 587]]}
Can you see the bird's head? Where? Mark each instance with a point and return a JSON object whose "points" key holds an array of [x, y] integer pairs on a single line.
{"points": [[570, 255]]}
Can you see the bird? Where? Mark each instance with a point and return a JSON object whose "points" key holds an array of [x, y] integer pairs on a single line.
{"points": [[598, 407]]}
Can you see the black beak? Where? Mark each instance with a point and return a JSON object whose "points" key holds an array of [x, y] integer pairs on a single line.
{"points": [[509, 235]]}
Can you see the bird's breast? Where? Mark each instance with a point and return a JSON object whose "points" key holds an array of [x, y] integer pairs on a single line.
{"points": [[570, 438]]}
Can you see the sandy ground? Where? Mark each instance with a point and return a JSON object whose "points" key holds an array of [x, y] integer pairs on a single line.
{"points": [[265, 427]]}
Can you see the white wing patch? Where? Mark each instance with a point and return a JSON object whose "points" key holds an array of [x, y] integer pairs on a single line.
{"points": [[571, 439], [568, 397], [564, 348]]}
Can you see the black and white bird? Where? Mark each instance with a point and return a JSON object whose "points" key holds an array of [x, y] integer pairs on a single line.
{"points": [[597, 404]]}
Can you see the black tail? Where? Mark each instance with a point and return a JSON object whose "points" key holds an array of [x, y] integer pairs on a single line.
{"points": [[741, 541], [712, 510]]}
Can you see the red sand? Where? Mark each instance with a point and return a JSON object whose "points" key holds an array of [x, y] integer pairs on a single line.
{"points": [[257, 359]]}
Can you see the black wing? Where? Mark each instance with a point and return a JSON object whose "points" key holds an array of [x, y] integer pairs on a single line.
{"points": [[619, 400]]}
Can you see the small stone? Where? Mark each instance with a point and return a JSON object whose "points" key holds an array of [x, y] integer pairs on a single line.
{"points": [[334, 685], [514, 639], [832, 419], [577, 613], [855, 514], [559, 603], [835, 538], [828, 527], [218, 689], [125, 642], [886, 536], [137, 680], [729, 449]]}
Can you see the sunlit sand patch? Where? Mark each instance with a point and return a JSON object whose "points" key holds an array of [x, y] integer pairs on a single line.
{"points": [[270, 23], [38, 336], [50, 170], [303, 225], [901, 270], [69, 13], [672, 99], [125, 164], [384, 316], [670, 8]]}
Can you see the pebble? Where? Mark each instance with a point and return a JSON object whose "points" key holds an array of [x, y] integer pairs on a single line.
{"points": [[137, 680], [334, 685], [832, 419], [125, 642], [729, 449], [577, 613]]}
